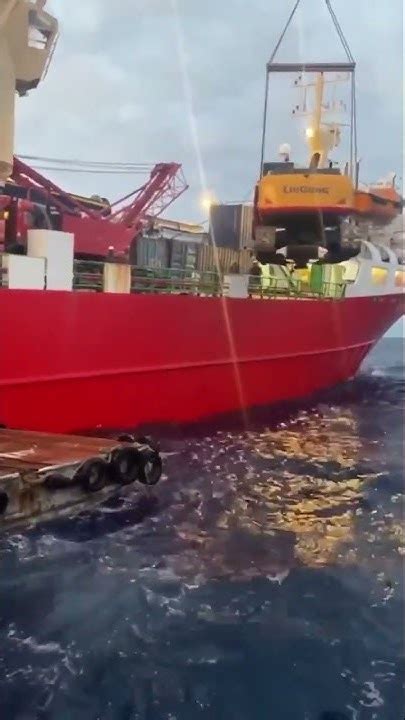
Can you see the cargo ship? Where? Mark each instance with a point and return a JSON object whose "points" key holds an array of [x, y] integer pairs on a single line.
{"points": [[95, 341]]}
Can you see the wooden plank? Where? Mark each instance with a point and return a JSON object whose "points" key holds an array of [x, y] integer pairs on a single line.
{"points": [[22, 451]]}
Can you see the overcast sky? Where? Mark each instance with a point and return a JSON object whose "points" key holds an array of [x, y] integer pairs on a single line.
{"points": [[183, 80]]}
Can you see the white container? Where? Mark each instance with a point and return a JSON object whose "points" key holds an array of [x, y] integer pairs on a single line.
{"points": [[58, 250], [117, 278], [236, 286], [24, 273]]}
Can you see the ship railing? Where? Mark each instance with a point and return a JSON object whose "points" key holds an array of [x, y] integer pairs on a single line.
{"points": [[278, 287], [88, 276], [176, 282]]}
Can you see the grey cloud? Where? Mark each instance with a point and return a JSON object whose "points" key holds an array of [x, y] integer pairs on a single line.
{"points": [[115, 90]]}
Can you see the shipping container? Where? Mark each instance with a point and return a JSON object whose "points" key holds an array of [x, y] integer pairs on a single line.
{"points": [[152, 252], [245, 260], [183, 255], [224, 225], [226, 260], [183, 236], [178, 227], [246, 227], [231, 226]]}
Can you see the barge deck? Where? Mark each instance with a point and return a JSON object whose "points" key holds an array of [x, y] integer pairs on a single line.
{"points": [[43, 475]]}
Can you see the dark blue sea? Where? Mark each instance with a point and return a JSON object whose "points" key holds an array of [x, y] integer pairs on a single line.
{"points": [[263, 581]]}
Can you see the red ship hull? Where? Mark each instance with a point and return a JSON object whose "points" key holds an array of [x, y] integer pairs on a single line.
{"points": [[75, 362]]}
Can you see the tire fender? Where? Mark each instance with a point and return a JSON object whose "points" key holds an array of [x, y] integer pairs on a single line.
{"points": [[93, 475], [151, 467], [126, 465]]}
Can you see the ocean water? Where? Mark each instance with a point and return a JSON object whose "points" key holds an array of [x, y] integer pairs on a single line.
{"points": [[264, 580]]}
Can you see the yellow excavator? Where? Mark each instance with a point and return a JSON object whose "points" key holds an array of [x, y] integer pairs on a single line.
{"points": [[305, 210], [301, 207]]}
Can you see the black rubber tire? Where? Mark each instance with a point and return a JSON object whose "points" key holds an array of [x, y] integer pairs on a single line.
{"points": [[151, 467], [126, 465], [4, 500], [146, 440], [93, 475], [126, 438], [57, 481]]}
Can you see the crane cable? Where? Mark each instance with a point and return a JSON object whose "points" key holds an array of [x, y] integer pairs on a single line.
{"points": [[340, 32], [86, 166], [92, 171], [336, 23]]}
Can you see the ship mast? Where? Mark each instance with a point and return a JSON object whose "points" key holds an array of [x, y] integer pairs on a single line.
{"points": [[316, 138], [28, 36], [322, 136]]}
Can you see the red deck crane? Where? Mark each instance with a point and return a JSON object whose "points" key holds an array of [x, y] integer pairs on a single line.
{"points": [[96, 230]]}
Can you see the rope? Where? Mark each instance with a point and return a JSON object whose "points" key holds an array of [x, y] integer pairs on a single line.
{"points": [[264, 127], [86, 163], [266, 94], [336, 23], [339, 31], [283, 34], [92, 171], [353, 124]]}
